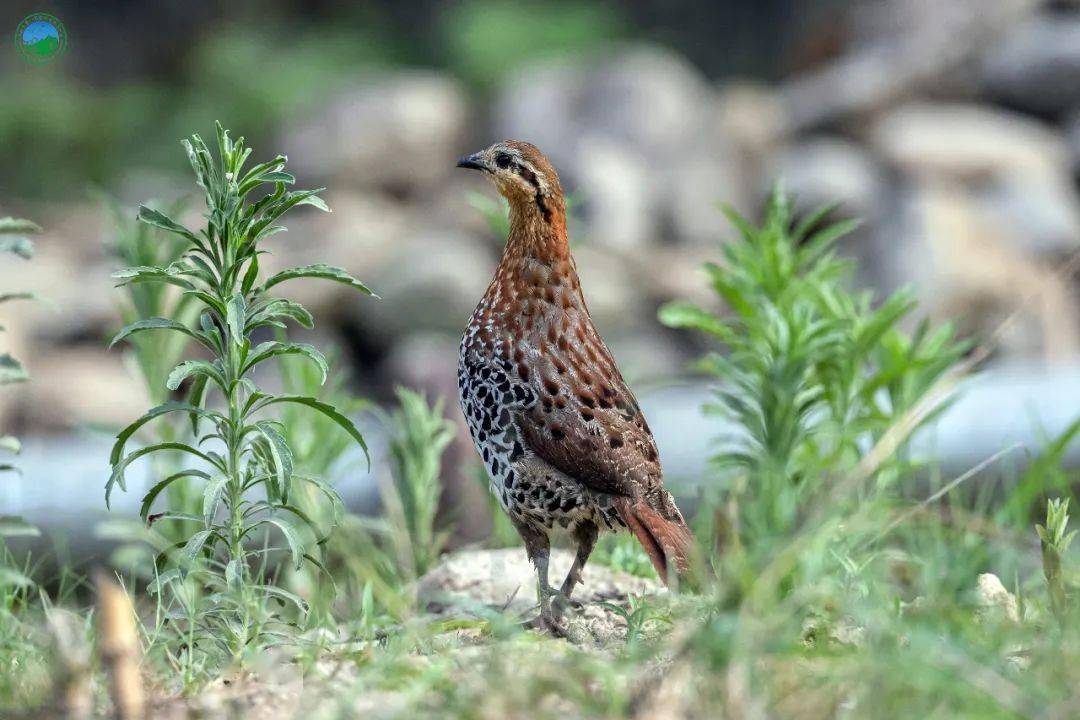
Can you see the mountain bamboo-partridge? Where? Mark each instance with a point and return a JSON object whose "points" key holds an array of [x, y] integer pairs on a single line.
{"points": [[561, 436]]}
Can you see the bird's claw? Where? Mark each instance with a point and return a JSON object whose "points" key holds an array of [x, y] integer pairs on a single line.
{"points": [[547, 623], [553, 605]]}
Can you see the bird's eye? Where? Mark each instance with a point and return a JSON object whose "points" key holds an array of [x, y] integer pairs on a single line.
{"points": [[502, 160]]}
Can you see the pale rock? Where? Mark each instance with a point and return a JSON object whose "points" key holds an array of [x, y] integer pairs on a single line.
{"points": [[616, 208], [750, 115], [822, 170], [692, 192], [474, 582], [967, 142], [539, 103], [399, 130], [649, 97], [1040, 211], [964, 265], [431, 281], [994, 600]]}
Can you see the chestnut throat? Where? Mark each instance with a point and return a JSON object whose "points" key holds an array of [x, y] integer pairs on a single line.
{"points": [[537, 230], [536, 276]]}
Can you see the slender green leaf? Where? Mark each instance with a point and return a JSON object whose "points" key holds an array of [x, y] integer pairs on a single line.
{"points": [[117, 476], [212, 497], [155, 412], [324, 272], [160, 220], [195, 545], [151, 495], [281, 455], [268, 350], [292, 536], [326, 409], [155, 323], [194, 367], [236, 317]]}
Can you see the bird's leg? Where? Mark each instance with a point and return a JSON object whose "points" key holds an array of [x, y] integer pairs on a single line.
{"points": [[538, 547], [585, 534]]}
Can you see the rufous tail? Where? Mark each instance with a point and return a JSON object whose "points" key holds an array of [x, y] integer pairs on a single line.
{"points": [[667, 542]]}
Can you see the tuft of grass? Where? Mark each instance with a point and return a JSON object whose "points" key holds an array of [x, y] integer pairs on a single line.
{"points": [[381, 558], [220, 577], [813, 374], [1054, 538]]}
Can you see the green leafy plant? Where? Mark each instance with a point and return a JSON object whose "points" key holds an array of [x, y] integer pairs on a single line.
{"points": [[814, 374], [1055, 538], [240, 451], [640, 616], [837, 589]]}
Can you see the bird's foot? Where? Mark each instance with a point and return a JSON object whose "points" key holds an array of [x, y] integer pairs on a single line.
{"points": [[548, 623], [553, 606]]}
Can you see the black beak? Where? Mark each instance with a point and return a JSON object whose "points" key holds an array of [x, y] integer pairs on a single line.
{"points": [[473, 162]]}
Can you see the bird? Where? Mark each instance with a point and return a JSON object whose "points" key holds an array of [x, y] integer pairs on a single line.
{"points": [[565, 445]]}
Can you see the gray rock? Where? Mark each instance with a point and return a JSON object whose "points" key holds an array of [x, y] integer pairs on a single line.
{"points": [[80, 386], [540, 103], [1037, 67], [611, 289], [692, 191], [617, 209], [967, 141], [431, 281], [901, 48], [1014, 168], [644, 356], [400, 130], [821, 170], [1040, 211], [752, 116], [966, 264], [650, 98], [646, 97]]}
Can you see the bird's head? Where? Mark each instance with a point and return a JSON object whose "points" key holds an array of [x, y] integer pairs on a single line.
{"points": [[522, 175]]}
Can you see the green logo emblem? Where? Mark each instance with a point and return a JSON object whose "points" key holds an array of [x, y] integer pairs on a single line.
{"points": [[41, 38]]}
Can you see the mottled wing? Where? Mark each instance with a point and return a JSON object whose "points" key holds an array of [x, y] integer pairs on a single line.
{"points": [[586, 422]]}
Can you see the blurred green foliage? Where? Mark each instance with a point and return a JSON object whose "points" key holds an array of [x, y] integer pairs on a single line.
{"points": [[487, 40], [60, 134]]}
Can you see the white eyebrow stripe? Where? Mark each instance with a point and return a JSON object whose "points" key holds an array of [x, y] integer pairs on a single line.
{"points": [[541, 184]]}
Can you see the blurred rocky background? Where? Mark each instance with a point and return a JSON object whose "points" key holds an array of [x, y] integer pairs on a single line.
{"points": [[951, 128]]}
